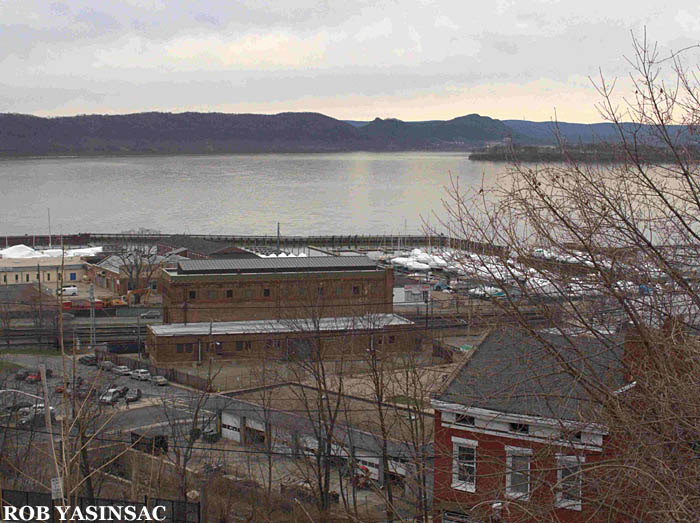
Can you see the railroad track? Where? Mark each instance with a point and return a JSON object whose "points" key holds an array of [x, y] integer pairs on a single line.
{"points": [[23, 337]]}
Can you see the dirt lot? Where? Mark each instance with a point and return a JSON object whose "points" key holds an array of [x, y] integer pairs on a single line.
{"points": [[243, 373]]}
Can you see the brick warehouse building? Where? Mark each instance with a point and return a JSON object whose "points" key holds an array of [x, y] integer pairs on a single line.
{"points": [[282, 339], [275, 288], [513, 431]]}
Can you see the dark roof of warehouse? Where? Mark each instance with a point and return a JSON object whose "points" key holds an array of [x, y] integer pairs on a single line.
{"points": [[302, 264], [207, 247], [513, 372]]}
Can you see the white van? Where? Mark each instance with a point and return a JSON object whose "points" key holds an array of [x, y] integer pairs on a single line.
{"points": [[141, 374], [69, 290]]}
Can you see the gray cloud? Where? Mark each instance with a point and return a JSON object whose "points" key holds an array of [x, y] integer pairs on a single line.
{"points": [[131, 55]]}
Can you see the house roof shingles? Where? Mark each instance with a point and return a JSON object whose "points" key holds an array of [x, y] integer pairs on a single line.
{"points": [[514, 372]]}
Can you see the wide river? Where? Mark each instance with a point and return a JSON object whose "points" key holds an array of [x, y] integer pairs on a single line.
{"points": [[349, 193]]}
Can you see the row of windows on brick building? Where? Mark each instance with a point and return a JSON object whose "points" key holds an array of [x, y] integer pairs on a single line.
{"points": [[267, 292], [47, 277]]}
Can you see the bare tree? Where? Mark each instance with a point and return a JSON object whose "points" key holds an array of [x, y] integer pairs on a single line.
{"points": [[140, 264], [609, 251], [322, 403], [318, 351], [185, 431]]}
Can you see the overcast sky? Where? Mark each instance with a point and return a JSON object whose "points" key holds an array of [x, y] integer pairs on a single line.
{"points": [[413, 59]]}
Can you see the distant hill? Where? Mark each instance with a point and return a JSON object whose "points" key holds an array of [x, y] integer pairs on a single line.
{"points": [[583, 134], [157, 133], [219, 133], [211, 133], [471, 130]]}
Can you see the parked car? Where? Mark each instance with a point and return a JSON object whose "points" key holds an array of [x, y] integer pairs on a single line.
{"points": [[18, 406], [151, 315], [68, 290], [133, 395], [122, 370], [39, 407], [88, 360], [141, 374], [34, 377], [36, 417], [106, 365], [22, 375], [159, 380], [110, 397], [122, 391]]}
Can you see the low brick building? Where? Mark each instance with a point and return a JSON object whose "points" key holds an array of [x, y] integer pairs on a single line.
{"points": [[275, 288], [280, 339], [514, 436]]}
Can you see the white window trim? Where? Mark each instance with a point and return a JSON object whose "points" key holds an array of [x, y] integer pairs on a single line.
{"points": [[518, 451], [457, 484], [568, 503], [487, 415]]}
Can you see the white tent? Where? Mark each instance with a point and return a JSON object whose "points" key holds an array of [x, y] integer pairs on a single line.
{"points": [[21, 251]]}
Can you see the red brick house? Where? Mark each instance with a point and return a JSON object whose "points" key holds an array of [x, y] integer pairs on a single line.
{"points": [[514, 436]]}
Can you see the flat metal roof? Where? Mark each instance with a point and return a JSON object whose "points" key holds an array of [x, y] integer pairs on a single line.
{"points": [[372, 321], [257, 265]]}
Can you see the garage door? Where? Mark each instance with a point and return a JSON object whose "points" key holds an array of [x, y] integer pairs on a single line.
{"points": [[397, 467], [371, 462], [230, 427], [255, 425], [282, 442]]}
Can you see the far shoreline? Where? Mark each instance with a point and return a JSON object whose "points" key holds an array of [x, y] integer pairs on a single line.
{"points": [[4, 157]]}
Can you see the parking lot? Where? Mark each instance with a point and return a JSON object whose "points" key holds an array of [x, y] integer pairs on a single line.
{"points": [[92, 378]]}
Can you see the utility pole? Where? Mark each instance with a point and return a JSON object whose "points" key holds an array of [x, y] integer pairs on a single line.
{"points": [[278, 237], [138, 335], [49, 211], [40, 298], [91, 292], [427, 303], [47, 420]]}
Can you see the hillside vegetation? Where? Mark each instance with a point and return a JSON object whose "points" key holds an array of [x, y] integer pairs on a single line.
{"points": [[192, 133], [219, 133]]}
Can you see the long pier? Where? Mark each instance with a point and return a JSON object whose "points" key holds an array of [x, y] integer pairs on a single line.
{"points": [[388, 242]]}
